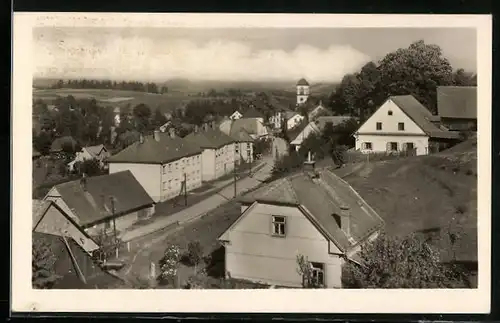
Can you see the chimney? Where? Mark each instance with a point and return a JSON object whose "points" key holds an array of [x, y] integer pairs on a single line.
{"points": [[141, 138], [195, 128], [157, 135], [309, 163], [83, 182], [172, 132]]}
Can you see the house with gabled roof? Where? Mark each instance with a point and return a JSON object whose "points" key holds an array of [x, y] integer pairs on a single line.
{"points": [[98, 152], [253, 113], [253, 126], [316, 127], [243, 149], [457, 107], [236, 115], [164, 164], [74, 268], [103, 203], [50, 218], [218, 150], [312, 213], [402, 124]]}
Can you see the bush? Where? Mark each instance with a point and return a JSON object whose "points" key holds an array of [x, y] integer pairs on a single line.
{"points": [[194, 253]]}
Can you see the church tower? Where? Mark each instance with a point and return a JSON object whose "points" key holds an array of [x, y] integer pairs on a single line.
{"points": [[302, 91]]}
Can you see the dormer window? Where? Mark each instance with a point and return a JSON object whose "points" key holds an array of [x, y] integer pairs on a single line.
{"points": [[389, 112]]}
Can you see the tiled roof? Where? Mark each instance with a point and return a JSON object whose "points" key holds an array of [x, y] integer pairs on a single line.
{"points": [[210, 138], [58, 143], [95, 150], [320, 122], [321, 198], [156, 152], [302, 82], [39, 207], [93, 204], [457, 102], [241, 136], [65, 267], [251, 126], [421, 116]]}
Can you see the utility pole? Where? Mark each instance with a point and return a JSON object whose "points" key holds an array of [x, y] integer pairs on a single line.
{"points": [[185, 190], [234, 173], [112, 200]]}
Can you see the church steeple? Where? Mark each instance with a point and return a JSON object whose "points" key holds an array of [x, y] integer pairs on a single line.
{"points": [[302, 91]]}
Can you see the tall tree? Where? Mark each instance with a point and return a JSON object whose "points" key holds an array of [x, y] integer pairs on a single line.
{"points": [[416, 70], [142, 115], [43, 274]]}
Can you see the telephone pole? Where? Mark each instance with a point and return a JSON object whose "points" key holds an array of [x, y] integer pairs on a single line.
{"points": [[185, 190], [234, 176], [112, 200]]}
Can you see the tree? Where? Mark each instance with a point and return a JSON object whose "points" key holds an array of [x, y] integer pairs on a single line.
{"points": [[463, 78], [42, 142], [195, 253], [416, 70], [90, 167], [400, 262], [142, 114], [43, 265], [169, 264], [159, 119]]}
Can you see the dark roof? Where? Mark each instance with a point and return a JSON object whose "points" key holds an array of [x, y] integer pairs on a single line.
{"points": [[156, 152], [302, 191], [241, 135], [320, 122], [58, 143], [457, 102], [302, 82], [93, 204], [210, 138], [421, 116], [38, 210], [66, 266], [253, 113]]}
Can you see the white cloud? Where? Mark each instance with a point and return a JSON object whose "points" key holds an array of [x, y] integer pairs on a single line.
{"points": [[163, 59]]}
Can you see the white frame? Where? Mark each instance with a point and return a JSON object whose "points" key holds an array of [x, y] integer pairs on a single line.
{"points": [[278, 224]]}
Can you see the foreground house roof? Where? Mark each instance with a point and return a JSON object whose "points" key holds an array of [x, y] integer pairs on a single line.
{"points": [[303, 191], [151, 151], [421, 116], [74, 266], [90, 201], [209, 138], [458, 102]]}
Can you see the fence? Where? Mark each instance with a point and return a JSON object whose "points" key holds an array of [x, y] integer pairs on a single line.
{"points": [[354, 156]]}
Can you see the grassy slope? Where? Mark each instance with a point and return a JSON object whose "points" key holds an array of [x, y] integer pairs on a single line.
{"points": [[425, 194]]}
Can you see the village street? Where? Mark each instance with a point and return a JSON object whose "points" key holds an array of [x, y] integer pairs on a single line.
{"points": [[199, 209]]}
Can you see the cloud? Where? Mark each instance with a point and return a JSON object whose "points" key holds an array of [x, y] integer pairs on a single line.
{"points": [[162, 59]]}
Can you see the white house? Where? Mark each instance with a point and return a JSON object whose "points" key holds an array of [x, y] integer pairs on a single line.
{"points": [[401, 124], [317, 127], [283, 219], [236, 115], [302, 91], [98, 152], [293, 119], [253, 126]]}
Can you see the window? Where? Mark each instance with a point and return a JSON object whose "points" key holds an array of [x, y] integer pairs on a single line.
{"points": [[318, 274], [249, 146], [237, 149], [401, 126], [393, 146], [279, 225], [368, 145], [176, 166], [409, 146], [169, 167], [389, 112], [379, 125], [170, 184], [165, 185], [164, 169]]}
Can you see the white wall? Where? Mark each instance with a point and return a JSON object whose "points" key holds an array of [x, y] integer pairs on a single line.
{"points": [[148, 175], [379, 143], [224, 160], [243, 153], [254, 254], [208, 164], [294, 121], [172, 176], [302, 94]]}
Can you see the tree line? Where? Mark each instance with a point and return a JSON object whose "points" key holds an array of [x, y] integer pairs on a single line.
{"points": [[416, 70], [148, 87]]}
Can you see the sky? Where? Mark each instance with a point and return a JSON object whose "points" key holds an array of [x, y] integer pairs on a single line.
{"points": [[235, 54]]}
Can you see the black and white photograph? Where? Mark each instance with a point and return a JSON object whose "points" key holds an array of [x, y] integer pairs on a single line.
{"points": [[257, 154]]}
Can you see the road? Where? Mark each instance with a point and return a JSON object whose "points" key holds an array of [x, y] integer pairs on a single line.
{"points": [[197, 210]]}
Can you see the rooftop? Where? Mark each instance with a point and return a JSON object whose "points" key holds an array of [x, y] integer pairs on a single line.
{"points": [[457, 102], [302, 82], [151, 151], [91, 201], [209, 138]]}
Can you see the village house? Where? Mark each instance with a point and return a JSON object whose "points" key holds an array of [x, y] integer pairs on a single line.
{"points": [[293, 119], [243, 149], [302, 91], [166, 126], [318, 111], [316, 127], [457, 107], [253, 113], [252, 126], [103, 203], [218, 149], [50, 218], [164, 164], [284, 219], [402, 124], [74, 267], [99, 153], [236, 115]]}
